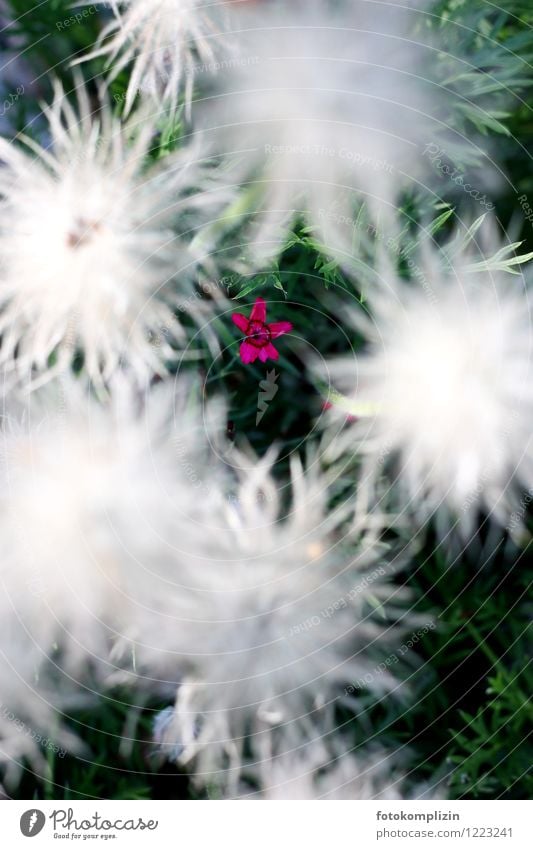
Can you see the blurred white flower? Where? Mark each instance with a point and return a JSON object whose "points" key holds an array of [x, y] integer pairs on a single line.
{"points": [[165, 40], [333, 770], [96, 247], [283, 618], [125, 562], [443, 389], [97, 510], [324, 105], [315, 772]]}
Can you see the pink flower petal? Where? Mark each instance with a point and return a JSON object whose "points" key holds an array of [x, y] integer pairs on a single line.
{"points": [[278, 328], [259, 311], [270, 351], [240, 320], [248, 352]]}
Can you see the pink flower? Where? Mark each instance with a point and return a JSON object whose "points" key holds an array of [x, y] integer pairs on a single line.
{"points": [[259, 334]]}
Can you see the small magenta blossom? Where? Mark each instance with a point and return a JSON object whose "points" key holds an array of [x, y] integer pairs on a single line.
{"points": [[259, 334]]}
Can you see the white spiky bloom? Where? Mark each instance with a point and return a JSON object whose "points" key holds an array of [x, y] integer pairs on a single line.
{"points": [[325, 106], [333, 770], [316, 772], [98, 507], [96, 249], [165, 40], [280, 624], [139, 570], [443, 389]]}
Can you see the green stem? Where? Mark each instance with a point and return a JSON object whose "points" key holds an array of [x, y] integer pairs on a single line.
{"points": [[359, 409]]}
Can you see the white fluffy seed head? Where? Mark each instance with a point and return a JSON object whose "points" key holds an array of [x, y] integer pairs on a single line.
{"points": [[91, 252], [318, 772], [318, 112], [280, 623], [444, 390], [166, 40], [97, 512]]}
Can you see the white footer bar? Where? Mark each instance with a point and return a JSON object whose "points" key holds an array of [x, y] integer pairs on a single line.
{"points": [[269, 825]]}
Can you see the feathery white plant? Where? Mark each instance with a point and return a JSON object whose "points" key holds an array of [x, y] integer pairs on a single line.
{"points": [[139, 570], [322, 772], [97, 509], [443, 390], [326, 105], [165, 40], [281, 618], [96, 249]]}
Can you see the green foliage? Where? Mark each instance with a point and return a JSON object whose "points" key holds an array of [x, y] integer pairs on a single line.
{"points": [[470, 722], [493, 749], [120, 760], [51, 36]]}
